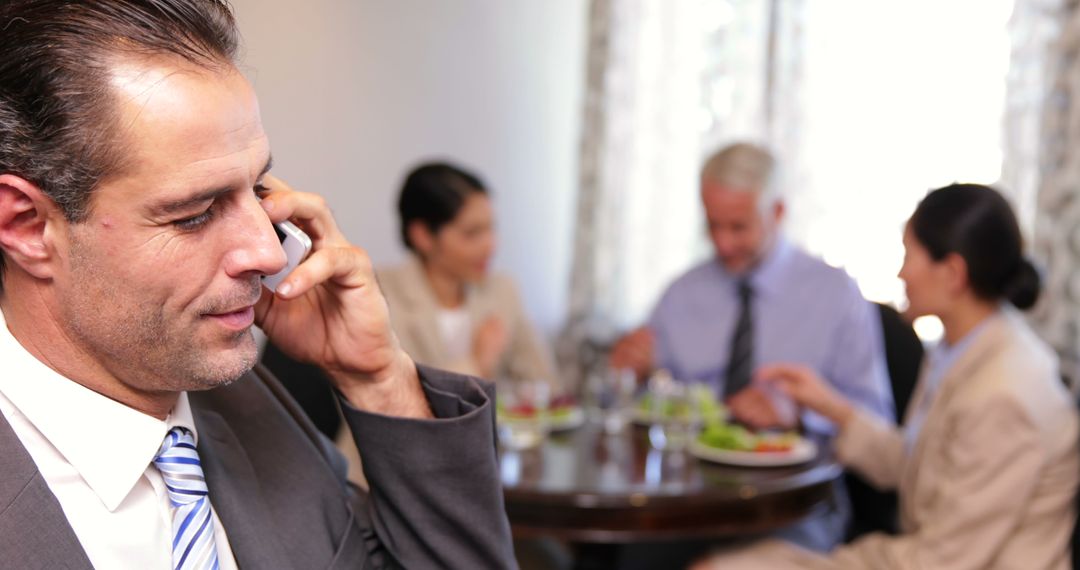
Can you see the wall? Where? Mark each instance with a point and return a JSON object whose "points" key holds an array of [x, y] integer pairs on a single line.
{"points": [[354, 92]]}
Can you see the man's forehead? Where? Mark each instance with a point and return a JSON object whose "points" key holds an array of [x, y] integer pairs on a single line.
{"points": [[186, 129], [184, 111], [712, 189], [714, 185]]}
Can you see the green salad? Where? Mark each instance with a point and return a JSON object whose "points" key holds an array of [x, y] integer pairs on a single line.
{"points": [[728, 436], [732, 437]]}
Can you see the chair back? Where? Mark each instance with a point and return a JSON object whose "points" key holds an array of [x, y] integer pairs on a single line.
{"points": [[873, 510]]}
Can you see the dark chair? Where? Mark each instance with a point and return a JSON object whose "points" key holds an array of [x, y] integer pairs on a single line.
{"points": [[308, 386], [873, 510], [903, 356], [1075, 543]]}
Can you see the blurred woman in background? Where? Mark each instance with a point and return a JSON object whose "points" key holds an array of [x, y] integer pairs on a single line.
{"points": [[987, 461], [448, 309]]}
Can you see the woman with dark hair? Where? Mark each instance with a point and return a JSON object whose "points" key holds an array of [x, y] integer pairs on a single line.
{"points": [[448, 309], [986, 463]]}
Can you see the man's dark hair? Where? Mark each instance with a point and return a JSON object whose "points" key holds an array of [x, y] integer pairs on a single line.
{"points": [[58, 119], [433, 194]]}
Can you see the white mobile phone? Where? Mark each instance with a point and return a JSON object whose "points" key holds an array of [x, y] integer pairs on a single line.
{"points": [[296, 244]]}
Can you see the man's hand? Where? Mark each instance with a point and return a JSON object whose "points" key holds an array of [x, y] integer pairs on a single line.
{"points": [[758, 408], [634, 351], [807, 389], [489, 344], [330, 312]]}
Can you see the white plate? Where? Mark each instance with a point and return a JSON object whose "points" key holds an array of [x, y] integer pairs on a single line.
{"points": [[804, 450]]}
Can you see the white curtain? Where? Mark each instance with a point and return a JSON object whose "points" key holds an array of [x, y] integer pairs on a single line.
{"points": [[1042, 160]]}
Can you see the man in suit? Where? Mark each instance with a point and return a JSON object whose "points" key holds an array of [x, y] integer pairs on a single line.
{"points": [[134, 432]]}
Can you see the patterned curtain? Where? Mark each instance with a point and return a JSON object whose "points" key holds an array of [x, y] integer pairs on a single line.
{"points": [[1042, 162], [667, 82]]}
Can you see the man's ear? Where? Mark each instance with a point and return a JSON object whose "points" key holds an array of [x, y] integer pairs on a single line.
{"points": [[25, 215], [778, 211]]}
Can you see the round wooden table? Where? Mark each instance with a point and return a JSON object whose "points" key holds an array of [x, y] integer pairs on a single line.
{"points": [[585, 486]]}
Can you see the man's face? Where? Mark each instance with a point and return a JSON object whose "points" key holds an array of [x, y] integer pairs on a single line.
{"points": [[739, 229], [158, 283]]}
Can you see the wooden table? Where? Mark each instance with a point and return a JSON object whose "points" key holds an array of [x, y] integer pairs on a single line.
{"points": [[585, 486]]}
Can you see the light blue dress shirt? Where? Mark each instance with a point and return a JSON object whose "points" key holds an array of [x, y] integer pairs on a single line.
{"points": [[805, 312]]}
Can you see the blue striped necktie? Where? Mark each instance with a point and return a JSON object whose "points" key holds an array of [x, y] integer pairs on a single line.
{"points": [[193, 528]]}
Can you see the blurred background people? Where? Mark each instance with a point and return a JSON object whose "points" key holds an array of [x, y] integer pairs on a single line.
{"points": [[987, 462], [762, 299]]}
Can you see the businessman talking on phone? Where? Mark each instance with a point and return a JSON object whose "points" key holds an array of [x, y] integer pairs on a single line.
{"points": [[133, 430]]}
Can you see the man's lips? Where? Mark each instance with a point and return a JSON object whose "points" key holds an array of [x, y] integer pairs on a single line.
{"points": [[239, 319]]}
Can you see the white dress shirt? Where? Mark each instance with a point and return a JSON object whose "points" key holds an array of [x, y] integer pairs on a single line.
{"points": [[96, 455]]}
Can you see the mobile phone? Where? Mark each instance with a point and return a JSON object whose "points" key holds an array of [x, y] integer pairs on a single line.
{"points": [[296, 244]]}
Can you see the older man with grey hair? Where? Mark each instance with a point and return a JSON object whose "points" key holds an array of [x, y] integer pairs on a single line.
{"points": [[760, 300]]}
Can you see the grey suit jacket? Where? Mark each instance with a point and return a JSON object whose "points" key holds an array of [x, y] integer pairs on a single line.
{"points": [[279, 487]]}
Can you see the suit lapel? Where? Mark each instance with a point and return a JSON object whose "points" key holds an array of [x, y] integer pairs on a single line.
{"points": [[34, 533], [235, 494]]}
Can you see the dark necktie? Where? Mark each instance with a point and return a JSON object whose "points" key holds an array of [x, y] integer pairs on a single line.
{"points": [[740, 367]]}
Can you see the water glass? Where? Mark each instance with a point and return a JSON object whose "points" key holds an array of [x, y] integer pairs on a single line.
{"points": [[610, 398], [676, 415], [523, 419]]}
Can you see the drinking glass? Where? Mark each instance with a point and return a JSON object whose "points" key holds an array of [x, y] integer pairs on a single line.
{"points": [[523, 419], [675, 414], [610, 398]]}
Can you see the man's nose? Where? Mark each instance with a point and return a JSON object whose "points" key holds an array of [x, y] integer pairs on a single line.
{"points": [[257, 248], [725, 243]]}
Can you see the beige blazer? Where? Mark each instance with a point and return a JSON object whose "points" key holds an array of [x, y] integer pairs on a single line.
{"points": [[413, 315], [989, 483]]}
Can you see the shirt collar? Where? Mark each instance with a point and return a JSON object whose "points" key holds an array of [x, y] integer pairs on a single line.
{"points": [[108, 443], [767, 276], [945, 355], [417, 274]]}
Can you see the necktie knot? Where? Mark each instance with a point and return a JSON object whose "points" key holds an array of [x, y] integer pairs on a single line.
{"points": [[193, 530], [178, 462], [746, 290]]}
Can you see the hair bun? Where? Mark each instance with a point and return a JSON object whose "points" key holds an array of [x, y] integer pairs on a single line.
{"points": [[1022, 288]]}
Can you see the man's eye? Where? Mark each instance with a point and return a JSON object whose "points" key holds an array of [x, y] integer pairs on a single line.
{"points": [[261, 189], [195, 222]]}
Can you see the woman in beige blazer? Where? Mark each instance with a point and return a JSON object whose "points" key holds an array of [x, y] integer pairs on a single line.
{"points": [[987, 461], [448, 309]]}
